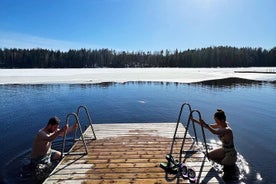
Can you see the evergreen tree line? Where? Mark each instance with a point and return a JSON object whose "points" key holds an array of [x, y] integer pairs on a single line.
{"points": [[222, 56]]}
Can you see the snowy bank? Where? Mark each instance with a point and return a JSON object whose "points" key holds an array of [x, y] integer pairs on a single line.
{"points": [[99, 75]]}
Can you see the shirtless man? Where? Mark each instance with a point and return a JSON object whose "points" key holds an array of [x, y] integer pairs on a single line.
{"points": [[41, 149], [226, 155]]}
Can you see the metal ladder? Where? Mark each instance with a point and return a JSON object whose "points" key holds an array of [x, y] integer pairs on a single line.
{"points": [[196, 139], [177, 124], [190, 111], [82, 138], [90, 123], [63, 153]]}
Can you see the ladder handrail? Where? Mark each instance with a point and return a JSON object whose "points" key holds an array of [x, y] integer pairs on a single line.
{"points": [[185, 134], [177, 124], [89, 119], [203, 132], [64, 137]]}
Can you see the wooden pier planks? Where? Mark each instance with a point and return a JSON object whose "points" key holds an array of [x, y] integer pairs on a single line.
{"points": [[130, 153]]}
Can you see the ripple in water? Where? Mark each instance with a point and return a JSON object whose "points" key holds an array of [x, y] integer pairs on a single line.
{"points": [[17, 170], [242, 174]]}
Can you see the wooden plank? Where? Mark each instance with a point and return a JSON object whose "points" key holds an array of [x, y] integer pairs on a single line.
{"points": [[130, 153]]}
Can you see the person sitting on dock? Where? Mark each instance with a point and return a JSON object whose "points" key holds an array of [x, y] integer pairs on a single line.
{"points": [[227, 155], [41, 149]]}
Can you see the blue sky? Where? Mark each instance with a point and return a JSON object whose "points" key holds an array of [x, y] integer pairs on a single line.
{"points": [[137, 25]]}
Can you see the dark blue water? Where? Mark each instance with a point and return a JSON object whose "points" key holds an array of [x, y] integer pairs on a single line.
{"points": [[249, 106]]}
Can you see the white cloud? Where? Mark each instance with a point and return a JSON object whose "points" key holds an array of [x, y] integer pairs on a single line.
{"points": [[25, 41]]}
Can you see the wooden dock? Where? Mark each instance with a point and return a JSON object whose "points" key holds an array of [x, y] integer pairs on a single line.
{"points": [[130, 153]]}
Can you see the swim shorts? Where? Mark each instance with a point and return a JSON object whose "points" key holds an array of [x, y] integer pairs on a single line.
{"points": [[44, 159]]}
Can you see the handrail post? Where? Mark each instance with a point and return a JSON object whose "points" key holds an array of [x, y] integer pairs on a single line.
{"points": [[196, 139], [202, 130], [79, 127], [204, 139], [183, 141], [89, 119], [178, 121], [203, 134]]}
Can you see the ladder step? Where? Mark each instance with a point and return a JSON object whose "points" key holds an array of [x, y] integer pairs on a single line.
{"points": [[75, 153], [191, 151]]}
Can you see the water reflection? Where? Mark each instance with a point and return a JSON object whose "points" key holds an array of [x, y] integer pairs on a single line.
{"points": [[230, 83], [113, 84], [36, 87], [221, 83]]}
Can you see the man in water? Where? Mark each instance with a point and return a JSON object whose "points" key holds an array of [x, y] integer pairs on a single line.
{"points": [[41, 149]]}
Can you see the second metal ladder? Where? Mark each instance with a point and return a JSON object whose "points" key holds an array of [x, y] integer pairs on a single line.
{"points": [[190, 112], [82, 138]]}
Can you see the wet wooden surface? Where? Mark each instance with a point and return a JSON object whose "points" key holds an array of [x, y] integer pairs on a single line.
{"points": [[130, 153]]}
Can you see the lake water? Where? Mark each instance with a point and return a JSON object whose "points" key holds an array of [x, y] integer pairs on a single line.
{"points": [[249, 106]]}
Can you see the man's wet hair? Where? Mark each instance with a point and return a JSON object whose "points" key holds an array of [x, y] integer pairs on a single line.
{"points": [[54, 121]]}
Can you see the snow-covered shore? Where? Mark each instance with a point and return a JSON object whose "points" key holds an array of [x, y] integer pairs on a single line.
{"points": [[99, 75]]}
